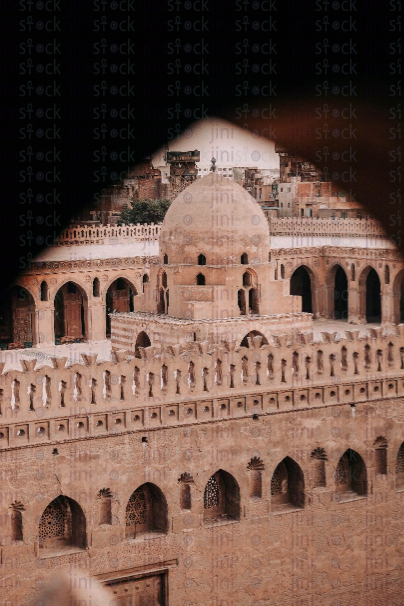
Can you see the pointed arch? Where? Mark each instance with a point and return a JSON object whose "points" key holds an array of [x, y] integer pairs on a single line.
{"points": [[287, 486], [251, 335], [119, 298], [71, 313], [244, 259], [200, 280], [201, 259], [142, 341], [301, 286], [398, 298], [17, 317], [338, 293], [370, 301], [96, 287], [62, 525], [146, 511], [221, 498], [351, 475]]}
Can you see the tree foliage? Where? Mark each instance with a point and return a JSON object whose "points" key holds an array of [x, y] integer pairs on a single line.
{"points": [[144, 211]]}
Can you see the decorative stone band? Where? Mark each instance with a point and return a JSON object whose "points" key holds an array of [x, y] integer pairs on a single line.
{"points": [[358, 228], [175, 385], [107, 234]]}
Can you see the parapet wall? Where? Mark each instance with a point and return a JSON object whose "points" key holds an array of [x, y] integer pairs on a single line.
{"points": [[80, 235], [358, 228], [198, 382]]}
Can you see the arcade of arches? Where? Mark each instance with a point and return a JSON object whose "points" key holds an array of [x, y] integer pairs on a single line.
{"points": [[341, 297]]}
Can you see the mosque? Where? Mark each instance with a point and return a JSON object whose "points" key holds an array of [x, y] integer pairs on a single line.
{"points": [[228, 452]]}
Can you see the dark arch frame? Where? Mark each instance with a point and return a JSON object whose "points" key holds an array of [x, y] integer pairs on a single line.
{"points": [[252, 334], [291, 492], [229, 502], [154, 511], [351, 474], [370, 306], [12, 332], [338, 293], [142, 340], [75, 536], [59, 312], [125, 286], [296, 289]]}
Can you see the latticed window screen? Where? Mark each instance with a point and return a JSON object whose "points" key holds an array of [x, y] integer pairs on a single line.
{"points": [[280, 475], [211, 495], [400, 461], [55, 521], [136, 510]]}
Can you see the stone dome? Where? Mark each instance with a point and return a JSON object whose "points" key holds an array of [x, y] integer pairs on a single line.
{"points": [[217, 218]]}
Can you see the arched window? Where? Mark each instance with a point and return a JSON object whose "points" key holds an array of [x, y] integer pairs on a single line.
{"points": [[70, 316], [201, 259], [164, 279], [340, 311], [244, 259], [247, 279], [119, 298], [146, 511], [300, 285], [221, 498], [282, 271], [145, 280], [165, 259], [16, 521], [241, 302], [251, 335], [318, 459], [353, 272], [373, 297], [142, 340], [380, 445], [387, 274], [200, 280], [96, 287], [253, 298], [62, 525], [350, 475], [44, 291], [287, 486], [185, 496], [400, 467]]}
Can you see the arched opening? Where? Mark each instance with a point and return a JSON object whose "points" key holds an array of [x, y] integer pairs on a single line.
{"points": [[146, 511], [253, 300], [17, 311], [282, 271], [44, 291], [256, 467], [16, 524], [247, 278], [380, 446], [244, 259], [164, 279], [241, 302], [287, 486], [161, 303], [145, 280], [142, 340], [165, 259], [340, 297], [251, 335], [398, 293], [200, 280], [350, 475], [105, 496], [373, 297], [119, 298], [386, 274], [300, 285], [221, 498], [96, 287], [400, 467], [62, 526], [318, 459], [70, 313], [201, 259]]}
